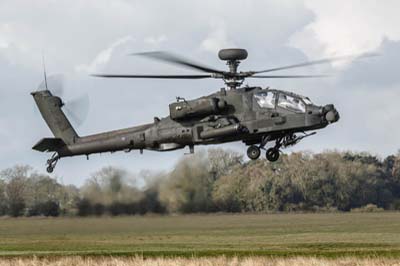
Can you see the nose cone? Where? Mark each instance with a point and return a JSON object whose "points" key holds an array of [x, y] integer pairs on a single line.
{"points": [[330, 113]]}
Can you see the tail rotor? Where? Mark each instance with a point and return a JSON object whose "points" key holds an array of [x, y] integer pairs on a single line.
{"points": [[76, 108]]}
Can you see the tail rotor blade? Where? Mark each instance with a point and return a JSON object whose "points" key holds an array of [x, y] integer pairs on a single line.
{"points": [[78, 109], [55, 84]]}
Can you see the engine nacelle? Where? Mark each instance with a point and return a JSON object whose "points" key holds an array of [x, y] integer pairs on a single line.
{"points": [[222, 132], [196, 108]]}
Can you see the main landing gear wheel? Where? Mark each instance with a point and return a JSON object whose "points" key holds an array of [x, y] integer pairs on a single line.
{"points": [[253, 152], [272, 154]]}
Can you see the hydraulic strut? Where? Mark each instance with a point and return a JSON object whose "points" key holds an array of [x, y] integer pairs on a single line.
{"points": [[52, 162]]}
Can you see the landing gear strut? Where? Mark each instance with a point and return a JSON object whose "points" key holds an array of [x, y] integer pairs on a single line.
{"points": [[52, 162], [272, 154]]}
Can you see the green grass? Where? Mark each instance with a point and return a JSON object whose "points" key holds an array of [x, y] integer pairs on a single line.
{"points": [[328, 235]]}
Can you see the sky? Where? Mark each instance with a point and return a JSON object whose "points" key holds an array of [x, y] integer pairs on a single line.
{"points": [[78, 38]]}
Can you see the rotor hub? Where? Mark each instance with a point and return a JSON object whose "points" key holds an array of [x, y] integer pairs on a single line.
{"points": [[233, 56]]}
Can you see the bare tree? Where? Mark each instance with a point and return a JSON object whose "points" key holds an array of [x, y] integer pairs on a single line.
{"points": [[16, 179]]}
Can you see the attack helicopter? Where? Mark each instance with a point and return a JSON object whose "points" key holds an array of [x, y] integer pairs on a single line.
{"points": [[251, 114]]}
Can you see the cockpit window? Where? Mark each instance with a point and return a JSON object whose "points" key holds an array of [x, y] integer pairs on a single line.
{"points": [[291, 103], [265, 99], [307, 100]]}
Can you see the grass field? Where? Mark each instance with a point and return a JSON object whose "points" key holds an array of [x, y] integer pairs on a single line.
{"points": [[316, 235], [209, 261]]}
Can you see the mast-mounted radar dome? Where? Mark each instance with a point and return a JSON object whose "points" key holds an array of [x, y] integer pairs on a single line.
{"points": [[232, 54]]}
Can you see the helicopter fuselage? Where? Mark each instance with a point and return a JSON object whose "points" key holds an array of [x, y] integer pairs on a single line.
{"points": [[252, 115], [249, 114]]}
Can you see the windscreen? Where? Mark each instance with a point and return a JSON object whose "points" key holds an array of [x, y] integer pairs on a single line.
{"points": [[265, 99], [291, 103], [307, 101]]}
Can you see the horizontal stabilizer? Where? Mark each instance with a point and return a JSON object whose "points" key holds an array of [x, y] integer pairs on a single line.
{"points": [[49, 144]]}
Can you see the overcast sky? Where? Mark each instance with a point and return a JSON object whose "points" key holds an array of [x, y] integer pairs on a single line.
{"points": [[82, 37]]}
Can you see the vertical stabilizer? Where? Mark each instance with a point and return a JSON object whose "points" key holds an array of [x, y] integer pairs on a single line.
{"points": [[50, 108]]}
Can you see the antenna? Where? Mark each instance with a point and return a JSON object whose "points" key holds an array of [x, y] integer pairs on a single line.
{"points": [[44, 72]]}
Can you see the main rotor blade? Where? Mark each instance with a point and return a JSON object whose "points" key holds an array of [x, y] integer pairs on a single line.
{"points": [[154, 76], [318, 62], [178, 60], [288, 76]]}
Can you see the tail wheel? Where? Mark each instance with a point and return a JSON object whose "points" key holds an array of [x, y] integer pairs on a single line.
{"points": [[253, 152], [272, 154], [49, 169], [52, 162]]}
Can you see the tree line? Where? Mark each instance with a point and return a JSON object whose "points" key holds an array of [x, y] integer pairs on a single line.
{"points": [[215, 180]]}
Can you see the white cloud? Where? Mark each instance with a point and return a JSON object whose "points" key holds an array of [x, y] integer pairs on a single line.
{"points": [[346, 27], [217, 38], [4, 31], [104, 56], [155, 40]]}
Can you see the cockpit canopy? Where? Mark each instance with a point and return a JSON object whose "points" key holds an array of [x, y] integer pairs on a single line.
{"points": [[288, 101]]}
